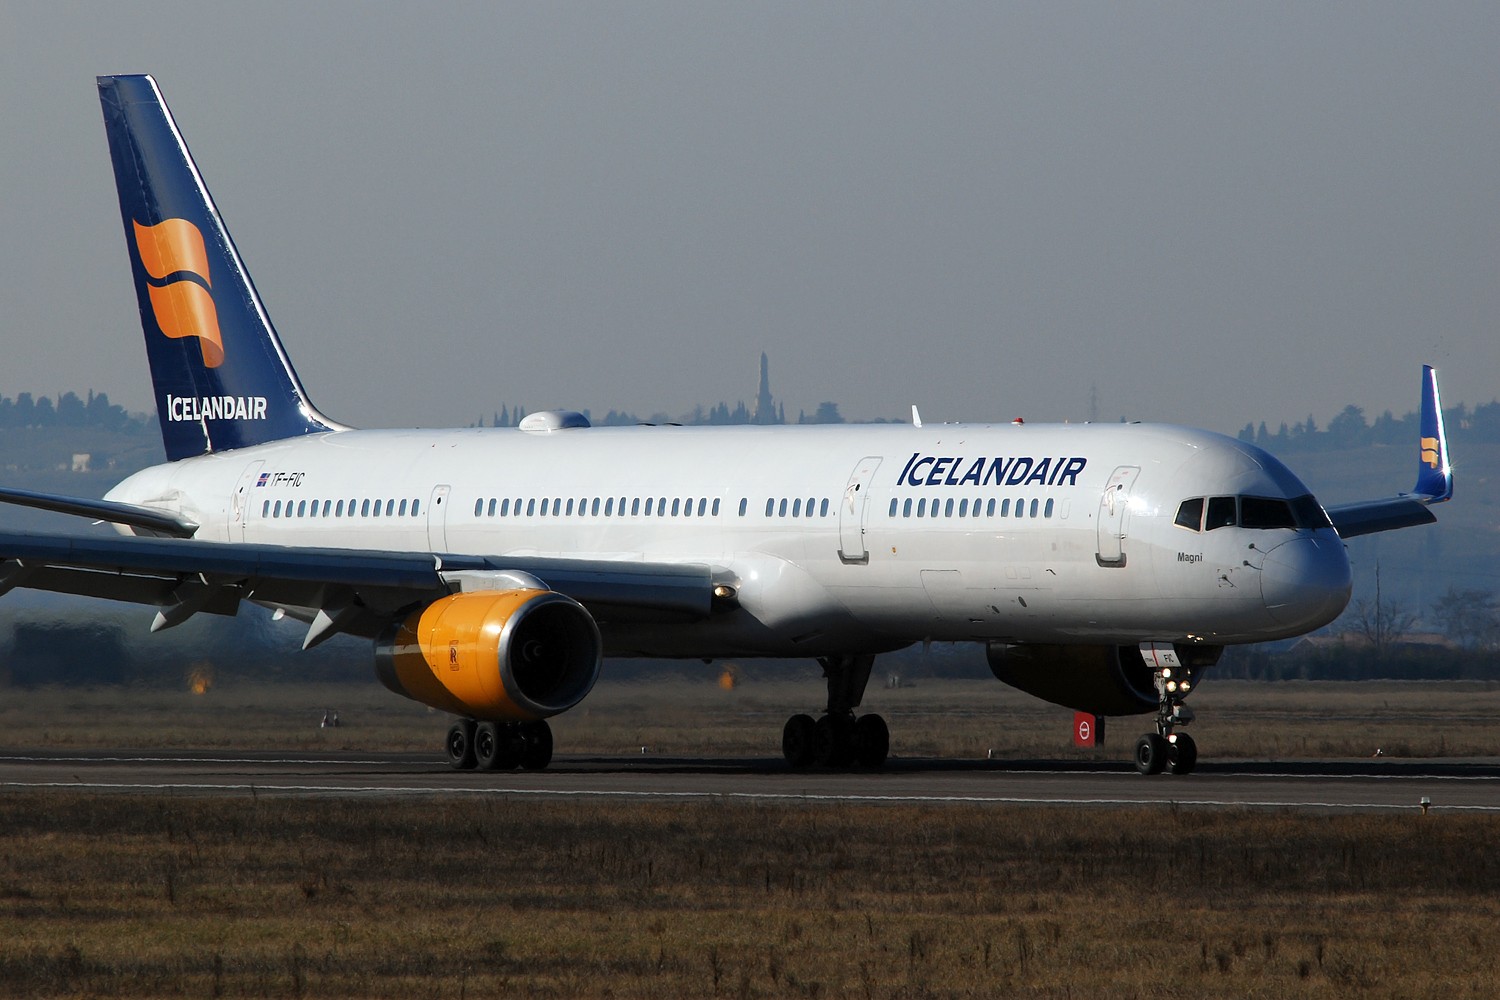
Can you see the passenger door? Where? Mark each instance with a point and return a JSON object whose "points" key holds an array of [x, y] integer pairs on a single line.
{"points": [[1114, 516], [854, 511]]}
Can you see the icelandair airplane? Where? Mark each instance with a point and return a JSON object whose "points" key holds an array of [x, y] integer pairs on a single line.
{"points": [[1102, 567]]}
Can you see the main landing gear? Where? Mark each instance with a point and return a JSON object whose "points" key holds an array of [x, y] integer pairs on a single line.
{"points": [[499, 746], [1166, 749], [839, 738]]}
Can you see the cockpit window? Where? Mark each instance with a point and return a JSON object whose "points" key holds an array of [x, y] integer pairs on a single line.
{"points": [[1309, 512], [1220, 513], [1266, 512], [1251, 512], [1190, 514]]}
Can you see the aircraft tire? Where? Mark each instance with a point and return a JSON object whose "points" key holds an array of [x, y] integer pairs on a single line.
{"points": [[872, 740], [1151, 754], [1182, 755], [799, 741], [460, 745], [535, 739], [835, 741], [495, 747]]}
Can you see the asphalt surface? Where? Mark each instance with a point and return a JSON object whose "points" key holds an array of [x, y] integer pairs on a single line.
{"points": [[1382, 784]]}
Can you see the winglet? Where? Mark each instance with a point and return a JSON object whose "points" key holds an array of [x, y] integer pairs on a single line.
{"points": [[1434, 474]]}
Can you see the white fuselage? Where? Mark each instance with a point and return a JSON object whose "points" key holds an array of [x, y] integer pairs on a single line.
{"points": [[835, 539]]}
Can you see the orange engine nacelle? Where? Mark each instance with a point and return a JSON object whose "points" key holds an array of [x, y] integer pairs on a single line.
{"points": [[505, 655]]}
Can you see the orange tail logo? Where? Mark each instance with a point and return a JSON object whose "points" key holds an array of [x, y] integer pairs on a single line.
{"points": [[1430, 451], [183, 307]]}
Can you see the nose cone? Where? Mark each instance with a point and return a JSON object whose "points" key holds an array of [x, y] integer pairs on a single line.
{"points": [[1305, 582]]}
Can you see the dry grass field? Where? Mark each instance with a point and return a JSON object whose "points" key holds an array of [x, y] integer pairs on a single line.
{"points": [[694, 716], [132, 896], [112, 895]]}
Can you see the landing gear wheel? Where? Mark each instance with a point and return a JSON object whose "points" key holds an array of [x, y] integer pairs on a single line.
{"points": [[535, 744], [799, 741], [496, 747], [1182, 754], [487, 742], [872, 740], [835, 741], [1151, 754], [460, 745]]}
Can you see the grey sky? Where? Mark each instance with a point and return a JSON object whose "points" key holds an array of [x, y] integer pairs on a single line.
{"points": [[1215, 213]]}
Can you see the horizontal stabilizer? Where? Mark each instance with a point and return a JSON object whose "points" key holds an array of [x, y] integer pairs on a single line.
{"points": [[146, 520]]}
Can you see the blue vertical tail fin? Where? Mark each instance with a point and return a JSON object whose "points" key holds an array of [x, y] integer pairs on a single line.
{"points": [[221, 377], [1434, 474]]}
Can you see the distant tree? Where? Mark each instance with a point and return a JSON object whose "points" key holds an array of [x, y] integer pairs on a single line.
{"points": [[826, 413], [25, 410], [45, 414], [70, 410], [1382, 623], [101, 413], [1247, 433], [1348, 429], [1456, 418], [1486, 422], [1470, 618], [1386, 429]]}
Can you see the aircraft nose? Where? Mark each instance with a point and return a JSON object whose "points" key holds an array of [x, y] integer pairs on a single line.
{"points": [[1305, 582]]}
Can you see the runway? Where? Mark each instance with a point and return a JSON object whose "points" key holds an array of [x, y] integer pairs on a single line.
{"points": [[1471, 785]]}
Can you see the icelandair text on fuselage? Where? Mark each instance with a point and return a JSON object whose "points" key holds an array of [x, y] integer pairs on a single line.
{"points": [[192, 409], [934, 470]]}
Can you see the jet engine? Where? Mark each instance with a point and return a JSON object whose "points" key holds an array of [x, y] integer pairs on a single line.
{"points": [[501, 656], [1103, 680]]}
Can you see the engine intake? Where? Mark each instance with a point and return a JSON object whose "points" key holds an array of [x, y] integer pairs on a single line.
{"points": [[1104, 680], [511, 655]]}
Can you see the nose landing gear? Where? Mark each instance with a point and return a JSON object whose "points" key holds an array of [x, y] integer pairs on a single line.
{"points": [[1166, 749]]}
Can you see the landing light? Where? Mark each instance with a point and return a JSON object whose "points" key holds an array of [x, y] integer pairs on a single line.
{"points": [[1171, 685], [1166, 672]]}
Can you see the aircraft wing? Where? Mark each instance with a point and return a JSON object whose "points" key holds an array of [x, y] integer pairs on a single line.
{"points": [[1434, 479], [337, 590]]}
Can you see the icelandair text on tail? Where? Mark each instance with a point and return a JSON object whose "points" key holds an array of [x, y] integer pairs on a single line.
{"points": [[192, 409]]}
